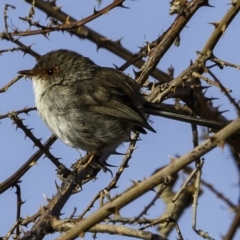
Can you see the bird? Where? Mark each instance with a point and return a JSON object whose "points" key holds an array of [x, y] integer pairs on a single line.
{"points": [[87, 106]]}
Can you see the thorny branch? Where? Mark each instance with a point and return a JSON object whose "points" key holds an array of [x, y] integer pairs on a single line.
{"points": [[185, 88]]}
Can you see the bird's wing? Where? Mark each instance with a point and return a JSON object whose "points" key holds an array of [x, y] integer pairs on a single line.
{"points": [[120, 97], [118, 109]]}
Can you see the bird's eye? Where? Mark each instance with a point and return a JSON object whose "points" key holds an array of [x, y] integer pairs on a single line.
{"points": [[49, 71]]}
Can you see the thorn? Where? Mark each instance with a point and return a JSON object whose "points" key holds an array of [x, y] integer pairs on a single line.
{"points": [[48, 199], [136, 73], [206, 90], [45, 35], [58, 9], [172, 159], [219, 143], [203, 87], [221, 112], [135, 183], [215, 24], [206, 4], [22, 202], [52, 3], [57, 186], [95, 11], [122, 6], [210, 99], [116, 67], [119, 42], [234, 2]]}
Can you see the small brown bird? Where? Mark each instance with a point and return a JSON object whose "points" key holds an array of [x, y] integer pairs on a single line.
{"points": [[86, 106], [91, 107]]}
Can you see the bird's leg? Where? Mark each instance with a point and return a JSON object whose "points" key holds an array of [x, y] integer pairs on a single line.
{"points": [[85, 161], [89, 158]]}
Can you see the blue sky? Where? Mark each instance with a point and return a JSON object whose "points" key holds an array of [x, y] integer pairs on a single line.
{"points": [[143, 21]]}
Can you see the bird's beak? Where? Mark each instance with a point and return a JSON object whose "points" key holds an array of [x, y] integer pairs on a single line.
{"points": [[29, 73]]}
